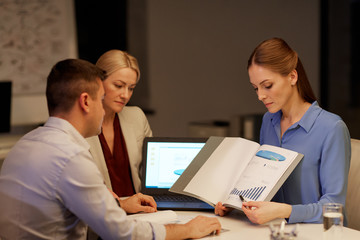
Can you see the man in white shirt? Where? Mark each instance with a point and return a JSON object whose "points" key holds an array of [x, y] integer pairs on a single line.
{"points": [[50, 188]]}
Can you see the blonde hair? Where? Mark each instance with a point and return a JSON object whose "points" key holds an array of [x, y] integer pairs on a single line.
{"points": [[114, 60]]}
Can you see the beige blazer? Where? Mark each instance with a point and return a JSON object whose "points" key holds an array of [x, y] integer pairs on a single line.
{"points": [[135, 128]]}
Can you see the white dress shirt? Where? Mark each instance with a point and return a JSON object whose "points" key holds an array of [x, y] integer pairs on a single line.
{"points": [[50, 189]]}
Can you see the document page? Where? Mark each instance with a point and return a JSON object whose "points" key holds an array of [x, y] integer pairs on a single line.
{"points": [[161, 217], [217, 176], [261, 175]]}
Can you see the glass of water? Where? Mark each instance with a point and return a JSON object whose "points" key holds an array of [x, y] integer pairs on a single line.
{"points": [[333, 220]]}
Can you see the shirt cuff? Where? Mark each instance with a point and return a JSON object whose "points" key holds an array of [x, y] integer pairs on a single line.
{"points": [[298, 214], [159, 231]]}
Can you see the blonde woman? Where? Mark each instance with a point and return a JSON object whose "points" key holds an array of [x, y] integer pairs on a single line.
{"points": [[117, 150]]}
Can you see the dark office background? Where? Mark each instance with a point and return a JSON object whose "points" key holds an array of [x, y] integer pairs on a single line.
{"points": [[339, 49], [101, 26], [340, 60]]}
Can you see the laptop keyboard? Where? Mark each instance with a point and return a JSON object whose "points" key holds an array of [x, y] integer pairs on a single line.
{"points": [[181, 202], [175, 198]]}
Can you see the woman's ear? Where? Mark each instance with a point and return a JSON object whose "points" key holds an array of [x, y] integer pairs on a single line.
{"points": [[293, 77], [84, 102]]}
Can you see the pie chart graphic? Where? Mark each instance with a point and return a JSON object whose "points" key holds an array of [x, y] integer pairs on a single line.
{"points": [[270, 155]]}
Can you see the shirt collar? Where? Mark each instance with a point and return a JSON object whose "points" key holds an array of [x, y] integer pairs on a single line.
{"points": [[306, 122], [67, 127]]}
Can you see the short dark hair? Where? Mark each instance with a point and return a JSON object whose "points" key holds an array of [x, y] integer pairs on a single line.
{"points": [[67, 80], [276, 55]]}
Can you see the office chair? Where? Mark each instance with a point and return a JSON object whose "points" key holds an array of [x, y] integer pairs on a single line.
{"points": [[352, 204]]}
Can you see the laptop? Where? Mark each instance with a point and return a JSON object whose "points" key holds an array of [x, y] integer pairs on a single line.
{"points": [[164, 160]]}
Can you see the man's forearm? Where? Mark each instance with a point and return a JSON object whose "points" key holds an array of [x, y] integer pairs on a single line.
{"points": [[177, 231]]}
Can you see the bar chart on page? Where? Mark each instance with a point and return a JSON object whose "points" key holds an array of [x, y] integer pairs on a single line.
{"points": [[250, 193]]}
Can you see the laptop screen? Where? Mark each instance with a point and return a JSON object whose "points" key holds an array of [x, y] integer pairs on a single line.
{"points": [[167, 158]]}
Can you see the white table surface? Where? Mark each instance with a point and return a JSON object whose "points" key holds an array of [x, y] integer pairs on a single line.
{"points": [[239, 227]]}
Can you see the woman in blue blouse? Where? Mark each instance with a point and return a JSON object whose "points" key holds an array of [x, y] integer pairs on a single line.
{"points": [[295, 121]]}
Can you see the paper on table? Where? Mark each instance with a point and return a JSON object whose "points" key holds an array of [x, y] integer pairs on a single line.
{"points": [[161, 217]]}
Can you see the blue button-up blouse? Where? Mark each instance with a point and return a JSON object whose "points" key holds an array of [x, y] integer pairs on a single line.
{"points": [[322, 175]]}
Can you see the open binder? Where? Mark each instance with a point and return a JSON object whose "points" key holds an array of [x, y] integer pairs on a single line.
{"points": [[227, 167]]}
